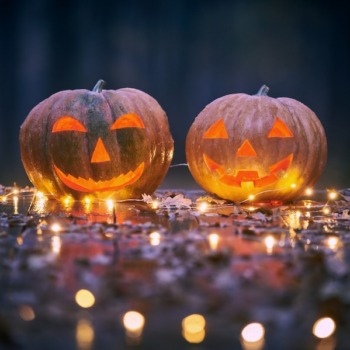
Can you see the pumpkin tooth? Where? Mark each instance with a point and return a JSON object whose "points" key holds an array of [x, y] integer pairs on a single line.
{"points": [[89, 185]]}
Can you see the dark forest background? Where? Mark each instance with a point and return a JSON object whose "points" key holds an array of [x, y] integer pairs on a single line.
{"points": [[185, 53]]}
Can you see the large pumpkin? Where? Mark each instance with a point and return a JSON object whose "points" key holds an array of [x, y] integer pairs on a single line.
{"points": [[243, 146], [106, 143]]}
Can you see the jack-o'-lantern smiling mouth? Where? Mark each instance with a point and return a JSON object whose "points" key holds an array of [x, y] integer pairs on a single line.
{"points": [[241, 176], [90, 185]]}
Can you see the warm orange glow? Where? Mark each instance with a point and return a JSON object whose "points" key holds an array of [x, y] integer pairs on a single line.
{"points": [[276, 171], [213, 241], [129, 120], [134, 322], [193, 328], [332, 195], [309, 191], [216, 131], [89, 185], [67, 123], [246, 150], [100, 153], [26, 313], [84, 334], [56, 227], [280, 129]]}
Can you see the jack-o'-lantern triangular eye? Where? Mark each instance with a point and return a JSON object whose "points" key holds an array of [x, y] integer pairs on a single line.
{"points": [[129, 120], [216, 131], [67, 123], [280, 129]]}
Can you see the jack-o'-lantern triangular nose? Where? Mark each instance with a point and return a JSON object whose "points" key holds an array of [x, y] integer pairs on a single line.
{"points": [[246, 150], [100, 153]]}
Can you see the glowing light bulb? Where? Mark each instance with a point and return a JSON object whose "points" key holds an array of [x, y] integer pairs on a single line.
{"points": [[155, 204], [56, 228], [154, 238], [333, 242], [332, 195], [203, 207], [251, 197], [67, 201], [133, 323], [323, 327], [309, 191], [253, 332], [326, 210], [84, 298], [213, 241], [193, 328], [15, 191], [293, 186]]}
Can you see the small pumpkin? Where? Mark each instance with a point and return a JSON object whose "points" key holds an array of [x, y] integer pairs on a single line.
{"points": [[107, 143], [243, 146]]}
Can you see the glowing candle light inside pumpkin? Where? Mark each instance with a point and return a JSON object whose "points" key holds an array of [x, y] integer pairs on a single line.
{"points": [[324, 327], [269, 243], [133, 323], [193, 328], [213, 241], [84, 298], [154, 238]]}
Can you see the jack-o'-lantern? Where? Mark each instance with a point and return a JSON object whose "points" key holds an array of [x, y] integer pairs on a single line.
{"points": [[243, 146], [105, 143]]}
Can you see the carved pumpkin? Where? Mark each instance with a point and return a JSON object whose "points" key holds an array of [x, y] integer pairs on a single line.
{"points": [[108, 143], [243, 146]]}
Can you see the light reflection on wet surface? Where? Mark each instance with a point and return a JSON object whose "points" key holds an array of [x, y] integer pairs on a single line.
{"points": [[282, 268]]}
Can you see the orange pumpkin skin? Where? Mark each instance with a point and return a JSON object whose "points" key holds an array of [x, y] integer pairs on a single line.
{"points": [[243, 146], [113, 144]]}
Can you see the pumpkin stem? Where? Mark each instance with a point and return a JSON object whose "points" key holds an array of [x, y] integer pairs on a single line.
{"points": [[99, 86], [263, 91]]}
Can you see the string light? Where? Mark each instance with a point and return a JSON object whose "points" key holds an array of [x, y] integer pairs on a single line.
{"points": [[253, 332], [323, 327], [326, 210], [332, 195], [154, 238], [56, 228], [251, 197], [84, 298], [309, 191], [203, 207], [110, 204], [155, 204]]}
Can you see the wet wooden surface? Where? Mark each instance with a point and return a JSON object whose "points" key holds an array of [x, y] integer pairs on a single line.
{"points": [[284, 267]]}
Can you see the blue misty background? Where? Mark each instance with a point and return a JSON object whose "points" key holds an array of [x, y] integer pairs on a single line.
{"points": [[185, 54]]}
